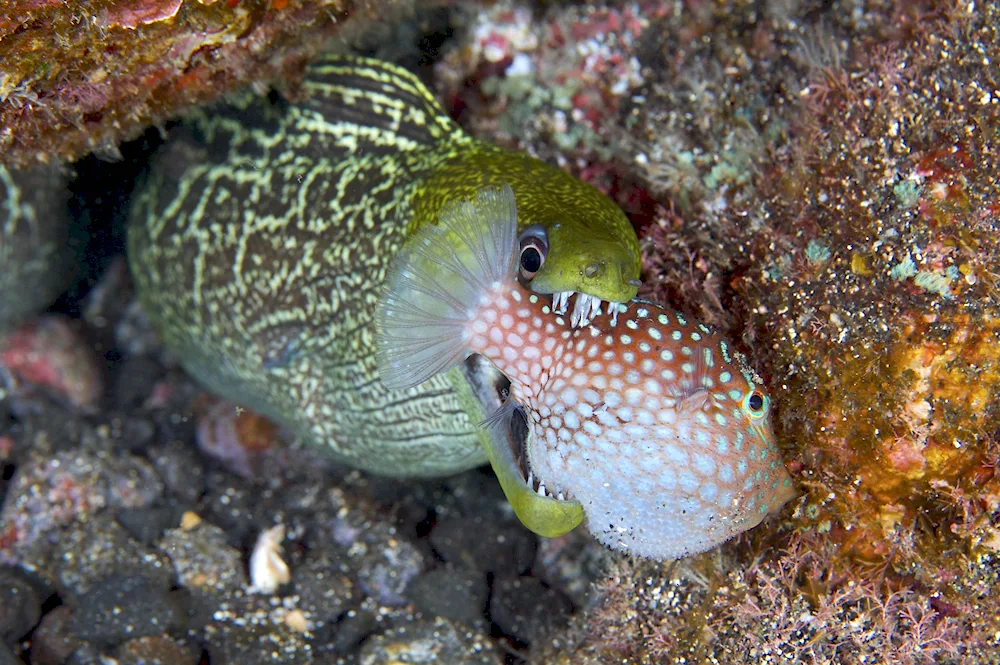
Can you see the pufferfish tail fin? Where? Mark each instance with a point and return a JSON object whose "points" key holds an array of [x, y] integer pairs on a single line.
{"points": [[434, 286], [376, 104]]}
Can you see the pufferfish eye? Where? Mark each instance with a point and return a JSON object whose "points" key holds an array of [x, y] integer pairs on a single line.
{"points": [[755, 404], [534, 248]]}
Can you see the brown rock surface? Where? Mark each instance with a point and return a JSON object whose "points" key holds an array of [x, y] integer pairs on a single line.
{"points": [[84, 75]]}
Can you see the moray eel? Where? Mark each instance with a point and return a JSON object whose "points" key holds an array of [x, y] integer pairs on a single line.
{"points": [[262, 234], [35, 256], [649, 420]]}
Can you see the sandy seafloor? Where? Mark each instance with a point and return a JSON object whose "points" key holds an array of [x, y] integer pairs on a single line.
{"points": [[132, 500]]}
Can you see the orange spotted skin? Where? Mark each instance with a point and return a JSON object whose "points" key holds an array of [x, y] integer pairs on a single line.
{"points": [[646, 418]]}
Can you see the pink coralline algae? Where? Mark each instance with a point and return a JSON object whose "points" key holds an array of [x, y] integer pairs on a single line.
{"points": [[49, 353], [131, 15], [562, 79]]}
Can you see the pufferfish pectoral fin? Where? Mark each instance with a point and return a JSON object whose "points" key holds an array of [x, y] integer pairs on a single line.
{"points": [[696, 401], [422, 318], [502, 417]]}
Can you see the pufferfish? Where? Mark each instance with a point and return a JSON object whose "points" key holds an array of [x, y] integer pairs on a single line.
{"points": [[652, 422]]}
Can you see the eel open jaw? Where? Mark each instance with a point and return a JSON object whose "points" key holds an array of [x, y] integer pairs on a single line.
{"points": [[538, 507]]}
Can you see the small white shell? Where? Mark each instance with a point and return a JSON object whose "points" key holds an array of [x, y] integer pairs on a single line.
{"points": [[268, 570]]}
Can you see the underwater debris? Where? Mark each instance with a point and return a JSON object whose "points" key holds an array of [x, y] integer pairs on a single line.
{"points": [[817, 253]]}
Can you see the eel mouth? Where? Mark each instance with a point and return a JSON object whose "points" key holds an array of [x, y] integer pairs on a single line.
{"points": [[518, 441], [492, 388], [543, 509]]}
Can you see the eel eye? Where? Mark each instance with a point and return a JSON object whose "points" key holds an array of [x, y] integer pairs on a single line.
{"points": [[755, 404], [534, 248]]}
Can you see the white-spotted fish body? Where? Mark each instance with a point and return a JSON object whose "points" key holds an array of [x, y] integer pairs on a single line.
{"points": [[650, 421]]}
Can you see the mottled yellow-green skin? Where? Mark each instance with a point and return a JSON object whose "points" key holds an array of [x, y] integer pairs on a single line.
{"points": [[35, 257], [262, 235], [584, 227]]}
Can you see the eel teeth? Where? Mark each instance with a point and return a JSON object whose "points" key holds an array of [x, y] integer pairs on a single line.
{"points": [[560, 300], [585, 309], [538, 487]]}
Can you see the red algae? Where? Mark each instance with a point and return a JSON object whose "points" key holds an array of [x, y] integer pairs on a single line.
{"points": [[136, 13]]}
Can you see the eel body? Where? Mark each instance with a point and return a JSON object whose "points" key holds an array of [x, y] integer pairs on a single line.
{"points": [[261, 237], [35, 257]]}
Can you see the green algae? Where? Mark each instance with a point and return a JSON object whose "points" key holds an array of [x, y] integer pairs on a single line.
{"points": [[907, 193]]}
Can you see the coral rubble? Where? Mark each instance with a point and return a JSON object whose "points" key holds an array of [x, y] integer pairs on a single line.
{"points": [[83, 76]]}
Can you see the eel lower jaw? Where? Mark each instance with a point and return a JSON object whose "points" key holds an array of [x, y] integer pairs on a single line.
{"points": [[539, 508], [518, 441]]}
